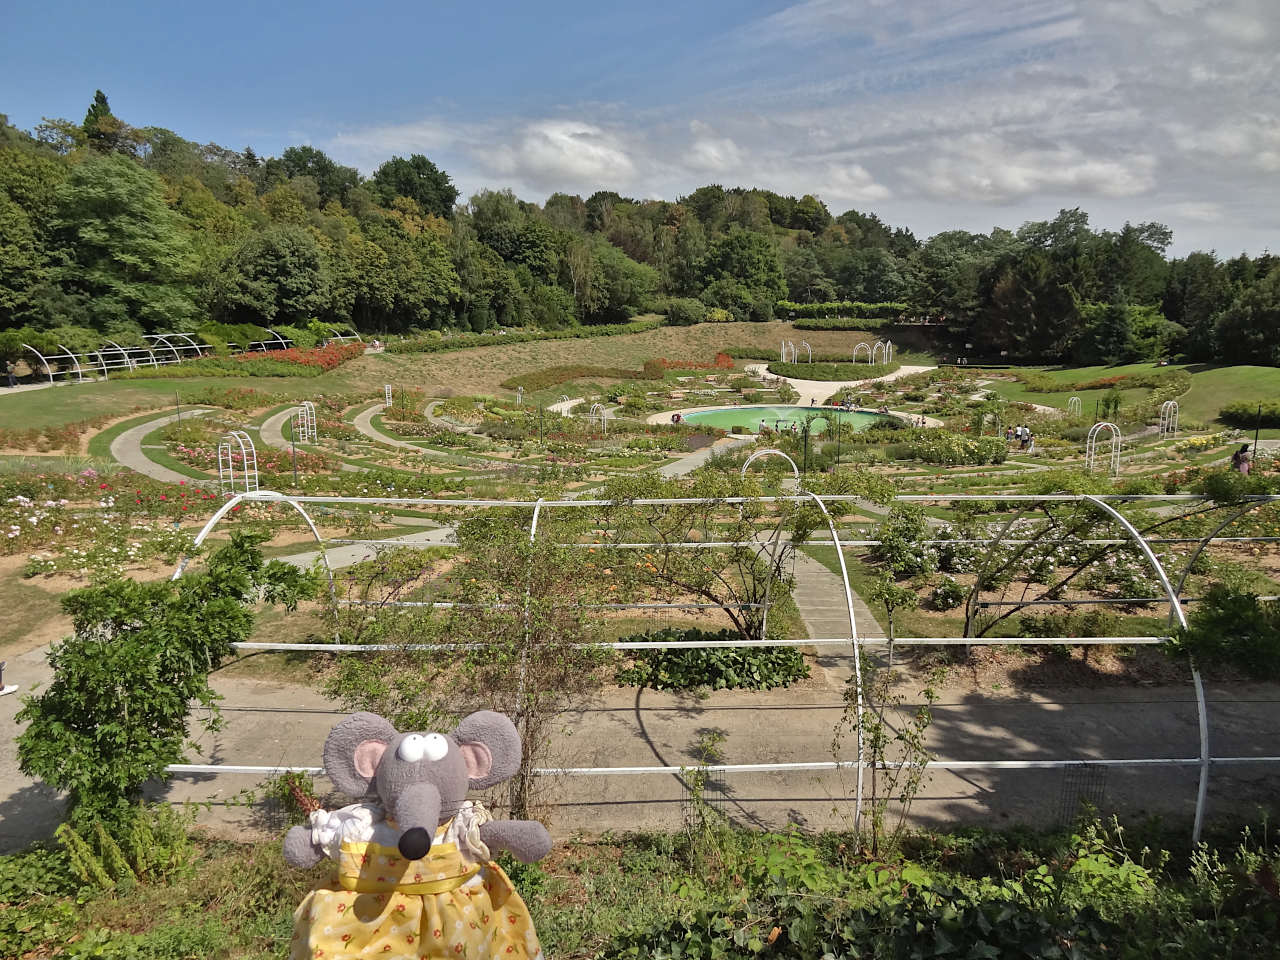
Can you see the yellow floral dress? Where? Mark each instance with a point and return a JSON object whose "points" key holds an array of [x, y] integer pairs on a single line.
{"points": [[453, 903]]}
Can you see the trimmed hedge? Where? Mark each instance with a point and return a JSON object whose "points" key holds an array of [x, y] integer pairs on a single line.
{"points": [[832, 371], [1245, 414], [464, 341], [843, 324], [550, 376], [843, 308]]}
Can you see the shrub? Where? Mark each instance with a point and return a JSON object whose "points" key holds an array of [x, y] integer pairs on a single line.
{"points": [[1233, 628], [902, 546], [464, 341], [724, 668], [832, 371], [842, 308], [685, 311], [1245, 414], [941, 446], [947, 595]]}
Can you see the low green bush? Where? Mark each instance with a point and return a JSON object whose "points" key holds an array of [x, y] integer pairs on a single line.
{"points": [[551, 376], [1245, 414], [464, 341], [725, 668], [832, 371], [1232, 628], [942, 446], [841, 309], [685, 311]]}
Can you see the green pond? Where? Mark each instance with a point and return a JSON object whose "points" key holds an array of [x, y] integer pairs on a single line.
{"points": [[780, 417]]}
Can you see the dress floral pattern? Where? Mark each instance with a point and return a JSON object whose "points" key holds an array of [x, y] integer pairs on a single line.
{"points": [[453, 903]]}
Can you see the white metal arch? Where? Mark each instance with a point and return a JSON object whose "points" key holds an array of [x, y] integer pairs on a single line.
{"points": [[598, 410], [1169, 418], [386, 395], [862, 345], [805, 344], [304, 422], [259, 496], [80, 377], [1091, 447], [519, 397], [1175, 613], [877, 347], [769, 452], [248, 462], [888, 351], [43, 362], [857, 653], [1073, 407]]}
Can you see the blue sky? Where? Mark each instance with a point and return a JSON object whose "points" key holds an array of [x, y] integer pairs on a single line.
{"points": [[933, 113]]}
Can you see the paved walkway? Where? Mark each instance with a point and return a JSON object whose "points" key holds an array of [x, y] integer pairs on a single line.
{"points": [[698, 458], [821, 389], [272, 430], [126, 449], [442, 423]]}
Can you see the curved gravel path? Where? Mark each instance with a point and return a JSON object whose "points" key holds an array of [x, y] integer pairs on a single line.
{"points": [[126, 449]]}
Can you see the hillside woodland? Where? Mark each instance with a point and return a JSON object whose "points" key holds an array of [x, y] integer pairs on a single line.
{"points": [[114, 230]]}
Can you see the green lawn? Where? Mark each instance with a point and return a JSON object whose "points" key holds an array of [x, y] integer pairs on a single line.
{"points": [[1212, 388]]}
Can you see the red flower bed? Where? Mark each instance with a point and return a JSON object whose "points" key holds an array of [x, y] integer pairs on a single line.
{"points": [[326, 358]]}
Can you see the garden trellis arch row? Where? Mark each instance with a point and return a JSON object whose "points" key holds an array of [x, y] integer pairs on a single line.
{"points": [[1204, 761]]}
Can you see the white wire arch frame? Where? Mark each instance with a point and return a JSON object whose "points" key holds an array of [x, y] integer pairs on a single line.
{"points": [[199, 349], [43, 362], [1073, 407], [1175, 613], [118, 349], [285, 342], [1091, 447], [878, 346], [805, 344], [888, 351], [80, 377], [1169, 418], [863, 345], [261, 496], [162, 340], [769, 452], [598, 410], [857, 654], [248, 462]]}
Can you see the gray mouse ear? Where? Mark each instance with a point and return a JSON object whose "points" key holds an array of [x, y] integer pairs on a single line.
{"points": [[353, 750], [490, 745]]}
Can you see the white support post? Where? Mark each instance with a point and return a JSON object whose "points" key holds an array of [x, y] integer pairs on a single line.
{"points": [[386, 403]]}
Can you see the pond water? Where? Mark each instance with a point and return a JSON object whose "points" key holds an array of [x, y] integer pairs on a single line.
{"points": [[780, 417]]}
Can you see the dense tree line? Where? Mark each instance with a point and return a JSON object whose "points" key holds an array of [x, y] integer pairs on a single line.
{"points": [[126, 230]]}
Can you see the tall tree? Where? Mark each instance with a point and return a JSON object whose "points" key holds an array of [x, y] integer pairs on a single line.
{"points": [[418, 179], [122, 246]]}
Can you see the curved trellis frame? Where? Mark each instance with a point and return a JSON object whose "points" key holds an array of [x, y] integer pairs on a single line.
{"points": [[1175, 614], [304, 422], [809, 349], [227, 465], [1073, 407], [259, 496], [1091, 447], [43, 362], [1169, 418], [598, 411], [863, 345]]}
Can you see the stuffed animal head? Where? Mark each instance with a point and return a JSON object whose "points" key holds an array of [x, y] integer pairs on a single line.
{"points": [[420, 777]]}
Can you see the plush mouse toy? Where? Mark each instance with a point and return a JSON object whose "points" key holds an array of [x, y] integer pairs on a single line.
{"points": [[414, 876]]}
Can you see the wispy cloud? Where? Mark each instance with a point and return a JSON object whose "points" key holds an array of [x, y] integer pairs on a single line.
{"points": [[973, 114]]}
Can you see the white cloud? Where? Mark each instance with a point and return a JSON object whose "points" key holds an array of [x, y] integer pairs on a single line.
{"points": [[969, 113]]}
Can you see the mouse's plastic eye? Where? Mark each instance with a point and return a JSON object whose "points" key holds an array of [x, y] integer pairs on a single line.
{"points": [[416, 746], [437, 746]]}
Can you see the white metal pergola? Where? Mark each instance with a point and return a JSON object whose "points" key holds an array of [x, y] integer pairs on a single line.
{"points": [[304, 423], [1091, 447], [247, 480], [1169, 418], [863, 345], [1073, 407], [1102, 503]]}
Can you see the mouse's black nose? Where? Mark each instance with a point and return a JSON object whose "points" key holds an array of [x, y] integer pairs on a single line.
{"points": [[414, 843]]}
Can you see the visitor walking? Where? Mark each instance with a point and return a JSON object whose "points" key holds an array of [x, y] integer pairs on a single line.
{"points": [[11, 372], [764, 427], [1240, 460], [1031, 442]]}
